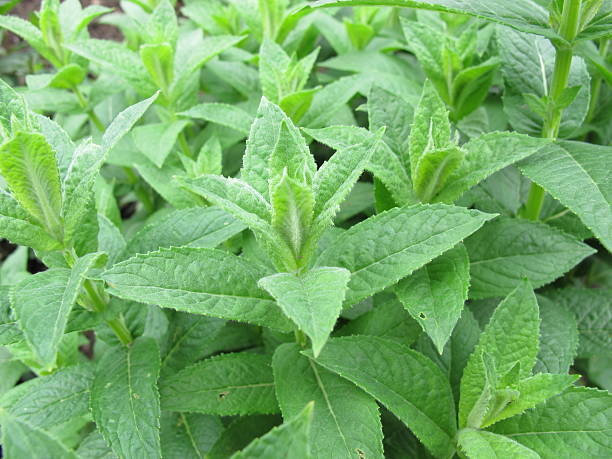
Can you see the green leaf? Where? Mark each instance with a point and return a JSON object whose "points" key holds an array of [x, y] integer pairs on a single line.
{"points": [[158, 60], [508, 250], [291, 154], [124, 399], [48, 401], [526, 15], [190, 336], [384, 163], [123, 123], [43, 302], [28, 165], [313, 300], [573, 424], [229, 384], [533, 391], [262, 141], [12, 107], [201, 281], [575, 174], [527, 67], [558, 338], [477, 444], [29, 33], [67, 77], [395, 114], [296, 104], [435, 294], [345, 420], [406, 382], [17, 226], [510, 337], [484, 156], [337, 176], [156, 140], [118, 59], [430, 129], [387, 319], [591, 308], [19, 439], [388, 247], [224, 114], [193, 227], [188, 436], [291, 437], [292, 213], [434, 169], [234, 196]]}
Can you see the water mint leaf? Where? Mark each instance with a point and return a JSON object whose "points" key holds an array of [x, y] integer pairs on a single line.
{"points": [[291, 154], [43, 302], [484, 156], [558, 337], [193, 227], [118, 59], [574, 174], [262, 141], [406, 382], [124, 393], [510, 249], [48, 401], [28, 166], [18, 226], [591, 308], [156, 140], [292, 204], [345, 420], [313, 300], [224, 114], [335, 178], [229, 384], [292, 436], [29, 33], [19, 439], [510, 337], [479, 443], [527, 67], [533, 391], [188, 436], [573, 424], [526, 15], [395, 114], [196, 280], [434, 169], [435, 294], [190, 334], [430, 128], [388, 247]]}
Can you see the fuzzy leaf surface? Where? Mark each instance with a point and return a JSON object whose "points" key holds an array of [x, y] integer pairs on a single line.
{"points": [[229, 384], [386, 248], [201, 281], [125, 401], [405, 381]]}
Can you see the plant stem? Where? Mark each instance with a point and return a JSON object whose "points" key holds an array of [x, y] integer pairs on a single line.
{"points": [[99, 303], [603, 51], [184, 145], [90, 113], [563, 62]]}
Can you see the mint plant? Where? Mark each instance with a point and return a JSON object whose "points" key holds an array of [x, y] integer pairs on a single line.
{"points": [[345, 228]]}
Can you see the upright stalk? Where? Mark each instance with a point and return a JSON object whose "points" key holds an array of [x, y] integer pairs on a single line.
{"points": [[563, 61]]}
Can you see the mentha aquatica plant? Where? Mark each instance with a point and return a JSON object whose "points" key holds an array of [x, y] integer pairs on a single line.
{"points": [[336, 229]]}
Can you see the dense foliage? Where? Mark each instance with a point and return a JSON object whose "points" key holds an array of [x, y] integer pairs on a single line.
{"points": [[270, 229]]}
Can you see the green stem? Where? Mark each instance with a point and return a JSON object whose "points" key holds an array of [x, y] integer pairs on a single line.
{"points": [[596, 89], [185, 145], [563, 61], [90, 113], [99, 303]]}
